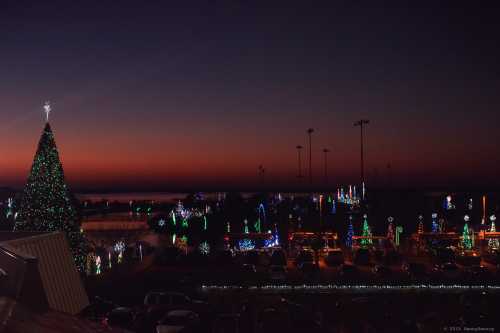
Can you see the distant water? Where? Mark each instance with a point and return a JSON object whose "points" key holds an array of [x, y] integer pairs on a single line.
{"points": [[133, 196], [126, 197]]}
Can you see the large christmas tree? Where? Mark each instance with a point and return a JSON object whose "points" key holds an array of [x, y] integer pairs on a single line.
{"points": [[46, 204]]}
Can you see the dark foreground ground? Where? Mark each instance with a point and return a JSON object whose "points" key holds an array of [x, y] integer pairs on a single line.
{"points": [[303, 304]]}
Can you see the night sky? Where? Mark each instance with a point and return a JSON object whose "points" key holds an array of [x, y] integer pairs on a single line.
{"points": [[157, 95]]}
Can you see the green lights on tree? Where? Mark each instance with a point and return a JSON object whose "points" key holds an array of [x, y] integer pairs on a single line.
{"points": [[46, 203], [366, 233], [466, 239]]}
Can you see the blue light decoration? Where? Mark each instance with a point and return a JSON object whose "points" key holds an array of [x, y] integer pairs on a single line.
{"points": [[246, 244], [350, 233], [334, 207], [435, 226], [273, 241]]}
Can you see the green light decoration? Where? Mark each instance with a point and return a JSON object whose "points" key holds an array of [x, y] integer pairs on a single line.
{"points": [[174, 222], [205, 224], [399, 230], [185, 223], [366, 233], [466, 240], [329, 199], [47, 204], [257, 225]]}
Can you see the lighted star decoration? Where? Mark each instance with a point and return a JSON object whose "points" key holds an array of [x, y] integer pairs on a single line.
{"points": [[47, 108]]}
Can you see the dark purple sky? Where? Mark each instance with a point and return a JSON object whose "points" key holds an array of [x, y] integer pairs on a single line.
{"points": [[159, 95]]}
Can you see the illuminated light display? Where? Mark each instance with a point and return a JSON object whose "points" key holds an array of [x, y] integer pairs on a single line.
{"points": [[174, 222], [46, 203], [466, 240], [366, 232], [493, 243], [10, 207], [246, 244], [245, 228], [185, 223], [98, 265], [448, 204], [174, 238], [483, 220], [273, 241], [420, 229], [390, 229], [470, 204], [435, 226], [350, 233], [204, 248], [205, 223], [161, 223], [261, 218], [399, 231], [228, 227]]}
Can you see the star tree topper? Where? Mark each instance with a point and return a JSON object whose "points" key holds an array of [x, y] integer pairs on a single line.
{"points": [[47, 108]]}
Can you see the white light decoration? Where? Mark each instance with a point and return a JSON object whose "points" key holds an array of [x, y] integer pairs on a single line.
{"points": [[47, 108], [493, 218], [204, 248], [161, 222], [466, 218]]}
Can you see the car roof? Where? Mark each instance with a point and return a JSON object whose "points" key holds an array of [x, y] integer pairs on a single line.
{"points": [[180, 313]]}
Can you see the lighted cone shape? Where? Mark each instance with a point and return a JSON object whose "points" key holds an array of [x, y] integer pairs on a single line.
{"points": [[46, 203]]}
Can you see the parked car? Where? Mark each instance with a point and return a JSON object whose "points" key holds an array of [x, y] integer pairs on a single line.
{"points": [[227, 323], [309, 269], [277, 273], [166, 301], [492, 257], [334, 257], [120, 317], [448, 271], [478, 274], [247, 274], [381, 271], [415, 271], [98, 309], [177, 321], [304, 256]]}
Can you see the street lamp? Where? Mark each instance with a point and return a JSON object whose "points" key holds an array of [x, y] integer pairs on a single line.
{"points": [[325, 152], [360, 123], [309, 132], [299, 148]]}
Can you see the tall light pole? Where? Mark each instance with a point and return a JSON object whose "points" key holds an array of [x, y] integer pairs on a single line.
{"points": [[325, 152], [360, 123], [309, 132], [299, 148]]}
